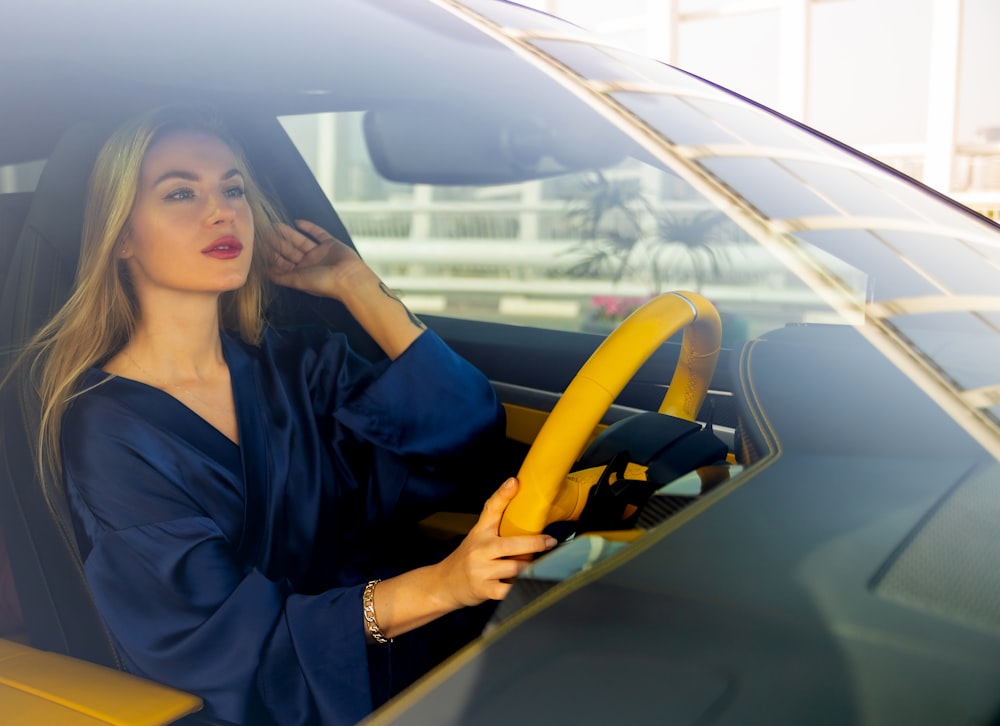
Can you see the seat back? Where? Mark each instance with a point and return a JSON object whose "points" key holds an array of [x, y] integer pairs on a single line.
{"points": [[13, 211], [59, 610]]}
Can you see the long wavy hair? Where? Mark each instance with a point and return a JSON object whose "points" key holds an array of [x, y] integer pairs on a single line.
{"points": [[101, 313]]}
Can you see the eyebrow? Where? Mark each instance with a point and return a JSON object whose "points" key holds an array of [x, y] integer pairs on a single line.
{"points": [[190, 176]]}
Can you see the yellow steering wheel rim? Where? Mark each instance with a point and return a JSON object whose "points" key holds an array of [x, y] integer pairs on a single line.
{"points": [[544, 496]]}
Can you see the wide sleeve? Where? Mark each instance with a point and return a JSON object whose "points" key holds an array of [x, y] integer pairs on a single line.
{"points": [[182, 608], [404, 438], [429, 404]]}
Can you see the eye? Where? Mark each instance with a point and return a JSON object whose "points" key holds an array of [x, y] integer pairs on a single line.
{"points": [[236, 192], [180, 195]]}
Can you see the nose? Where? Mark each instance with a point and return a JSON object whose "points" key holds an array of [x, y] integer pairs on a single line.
{"points": [[221, 210]]}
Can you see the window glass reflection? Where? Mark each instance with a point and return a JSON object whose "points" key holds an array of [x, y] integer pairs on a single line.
{"points": [[887, 278], [758, 128], [768, 187], [990, 252], [592, 63], [676, 119], [991, 318], [955, 265], [850, 191], [663, 74], [574, 251], [961, 344], [506, 14], [934, 210]]}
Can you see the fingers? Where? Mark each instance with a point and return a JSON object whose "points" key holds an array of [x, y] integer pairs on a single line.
{"points": [[496, 505], [491, 580], [311, 235], [314, 230], [489, 520], [497, 591], [525, 544], [497, 576], [287, 248], [290, 247], [484, 563]]}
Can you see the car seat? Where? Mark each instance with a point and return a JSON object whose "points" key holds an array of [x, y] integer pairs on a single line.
{"points": [[59, 612], [13, 210]]}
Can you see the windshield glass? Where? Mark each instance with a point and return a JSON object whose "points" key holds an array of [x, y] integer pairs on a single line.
{"points": [[560, 184]]}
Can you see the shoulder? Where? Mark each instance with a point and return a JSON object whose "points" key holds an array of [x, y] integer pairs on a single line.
{"points": [[100, 395], [104, 419], [132, 454], [101, 432], [113, 419]]}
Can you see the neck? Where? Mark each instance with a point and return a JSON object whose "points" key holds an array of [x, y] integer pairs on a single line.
{"points": [[179, 340]]}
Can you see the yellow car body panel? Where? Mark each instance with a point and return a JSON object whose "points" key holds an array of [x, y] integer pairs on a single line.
{"points": [[39, 687]]}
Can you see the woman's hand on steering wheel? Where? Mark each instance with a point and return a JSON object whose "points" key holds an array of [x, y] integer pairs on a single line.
{"points": [[481, 567]]}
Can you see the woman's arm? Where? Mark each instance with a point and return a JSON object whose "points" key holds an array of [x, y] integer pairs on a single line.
{"points": [[321, 265], [481, 566], [479, 569]]}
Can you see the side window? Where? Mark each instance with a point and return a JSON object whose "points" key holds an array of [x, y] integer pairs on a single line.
{"points": [[490, 252], [575, 251], [20, 177]]}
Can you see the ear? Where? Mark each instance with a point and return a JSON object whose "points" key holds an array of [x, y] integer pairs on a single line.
{"points": [[125, 246]]}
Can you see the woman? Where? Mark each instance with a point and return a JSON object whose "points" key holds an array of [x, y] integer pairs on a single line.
{"points": [[226, 479]]}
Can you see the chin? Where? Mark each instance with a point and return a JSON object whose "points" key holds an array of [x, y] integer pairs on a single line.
{"points": [[233, 284]]}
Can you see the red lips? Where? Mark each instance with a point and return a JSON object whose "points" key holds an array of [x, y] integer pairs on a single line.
{"points": [[224, 248]]}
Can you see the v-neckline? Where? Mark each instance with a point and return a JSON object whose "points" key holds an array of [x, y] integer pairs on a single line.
{"points": [[203, 422]]}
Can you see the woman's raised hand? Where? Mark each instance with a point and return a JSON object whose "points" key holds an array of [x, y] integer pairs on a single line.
{"points": [[308, 258], [477, 570], [312, 260]]}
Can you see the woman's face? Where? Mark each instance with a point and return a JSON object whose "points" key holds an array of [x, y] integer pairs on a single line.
{"points": [[191, 229]]}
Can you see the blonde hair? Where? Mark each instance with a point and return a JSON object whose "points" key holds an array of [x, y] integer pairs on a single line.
{"points": [[100, 315]]}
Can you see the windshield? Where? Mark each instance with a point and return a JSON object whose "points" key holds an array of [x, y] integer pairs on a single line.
{"points": [[559, 184]]}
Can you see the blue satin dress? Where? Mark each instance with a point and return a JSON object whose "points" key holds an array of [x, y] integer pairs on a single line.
{"points": [[236, 572]]}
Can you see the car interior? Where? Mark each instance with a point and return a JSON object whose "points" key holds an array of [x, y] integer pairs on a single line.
{"points": [[782, 596], [39, 248]]}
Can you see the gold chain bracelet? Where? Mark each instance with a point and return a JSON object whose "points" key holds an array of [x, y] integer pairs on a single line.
{"points": [[368, 605]]}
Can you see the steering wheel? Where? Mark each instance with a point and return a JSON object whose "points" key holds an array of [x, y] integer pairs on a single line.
{"points": [[545, 494]]}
